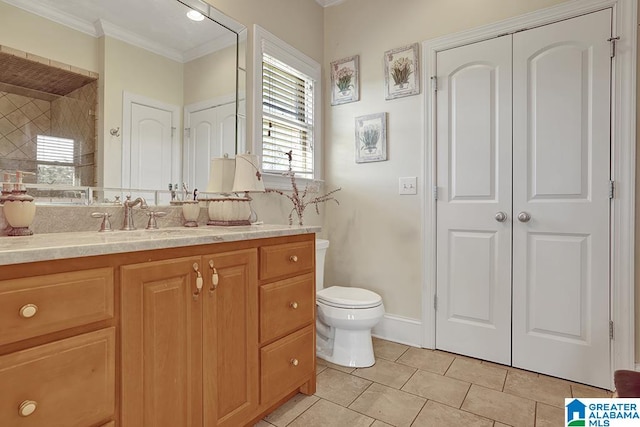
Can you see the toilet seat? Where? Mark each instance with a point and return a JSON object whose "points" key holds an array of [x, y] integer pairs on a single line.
{"points": [[347, 297]]}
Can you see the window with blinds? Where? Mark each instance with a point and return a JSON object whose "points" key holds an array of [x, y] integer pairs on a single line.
{"points": [[287, 118], [55, 160]]}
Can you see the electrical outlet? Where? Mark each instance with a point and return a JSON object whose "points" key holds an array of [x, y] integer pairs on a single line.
{"points": [[408, 185]]}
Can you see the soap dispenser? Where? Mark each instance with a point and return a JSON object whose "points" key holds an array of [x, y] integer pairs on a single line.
{"points": [[7, 186], [19, 207]]}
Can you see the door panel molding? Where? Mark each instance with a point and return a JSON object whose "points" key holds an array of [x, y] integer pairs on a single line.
{"points": [[623, 160]]}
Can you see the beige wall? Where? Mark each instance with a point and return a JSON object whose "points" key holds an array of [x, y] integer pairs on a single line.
{"points": [[31, 33], [129, 68], [210, 76]]}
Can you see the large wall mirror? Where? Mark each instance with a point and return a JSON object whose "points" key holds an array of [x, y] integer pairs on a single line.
{"points": [[119, 93]]}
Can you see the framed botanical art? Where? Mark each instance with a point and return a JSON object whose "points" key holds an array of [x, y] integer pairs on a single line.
{"points": [[402, 72], [345, 76], [371, 138]]}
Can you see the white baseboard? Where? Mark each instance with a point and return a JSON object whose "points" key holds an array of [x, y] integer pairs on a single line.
{"points": [[637, 367], [399, 329]]}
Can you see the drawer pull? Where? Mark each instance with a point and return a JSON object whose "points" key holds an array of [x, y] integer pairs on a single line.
{"points": [[293, 305], [28, 310], [27, 408], [293, 258], [199, 282], [294, 362], [214, 276]]}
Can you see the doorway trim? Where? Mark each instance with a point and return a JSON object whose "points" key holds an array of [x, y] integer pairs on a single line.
{"points": [[623, 158]]}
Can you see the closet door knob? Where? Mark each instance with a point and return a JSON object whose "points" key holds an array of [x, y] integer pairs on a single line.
{"points": [[501, 216], [524, 217], [28, 310]]}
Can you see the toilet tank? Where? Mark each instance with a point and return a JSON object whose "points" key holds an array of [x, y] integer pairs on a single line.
{"points": [[321, 251]]}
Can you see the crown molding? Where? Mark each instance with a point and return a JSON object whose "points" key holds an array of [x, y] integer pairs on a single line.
{"points": [[55, 16], [104, 28], [327, 3]]}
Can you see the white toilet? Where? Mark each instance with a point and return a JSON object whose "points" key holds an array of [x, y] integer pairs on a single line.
{"points": [[345, 318]]}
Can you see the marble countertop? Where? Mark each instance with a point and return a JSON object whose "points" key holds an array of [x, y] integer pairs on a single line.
{"points": [[43, 247]]}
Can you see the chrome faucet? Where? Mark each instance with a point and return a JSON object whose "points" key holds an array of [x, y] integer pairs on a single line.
{"points": [[128, 217]]}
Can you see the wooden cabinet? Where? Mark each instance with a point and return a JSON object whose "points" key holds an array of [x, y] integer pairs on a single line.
{"points": [[230, 336], [57, 347], [199, 336], [190, 354], [161, 329], [287, 320], [38, 305], [64, 383]]}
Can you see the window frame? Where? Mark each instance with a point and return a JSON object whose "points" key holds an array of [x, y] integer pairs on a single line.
{"points": [[265, 42]]}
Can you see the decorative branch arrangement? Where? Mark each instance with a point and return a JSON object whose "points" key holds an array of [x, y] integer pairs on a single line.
{"points": [[298, 200]]}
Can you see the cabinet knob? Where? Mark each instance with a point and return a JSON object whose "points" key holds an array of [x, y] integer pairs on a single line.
{"points": [[293, 258], [28, 310], [293, 305], [27, 408], [295, 362]]}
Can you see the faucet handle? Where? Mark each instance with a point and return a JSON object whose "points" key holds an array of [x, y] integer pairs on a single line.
{"points": [[153, 224], [106, 224]]}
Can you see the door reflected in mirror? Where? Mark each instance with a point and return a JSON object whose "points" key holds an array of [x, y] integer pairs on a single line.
{"points": [[92, 96]]}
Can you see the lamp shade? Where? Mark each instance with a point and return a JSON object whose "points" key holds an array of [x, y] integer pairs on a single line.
{"points": [[248, 177], [221, 173]]}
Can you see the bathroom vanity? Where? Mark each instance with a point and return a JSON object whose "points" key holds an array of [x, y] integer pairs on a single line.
{"points": [[169, 327]]}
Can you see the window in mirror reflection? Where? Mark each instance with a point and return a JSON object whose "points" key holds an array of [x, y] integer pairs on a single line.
{"points": [[55, 160]]}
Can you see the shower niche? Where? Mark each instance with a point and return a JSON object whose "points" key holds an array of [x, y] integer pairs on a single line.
{"points": [[48, 115]]}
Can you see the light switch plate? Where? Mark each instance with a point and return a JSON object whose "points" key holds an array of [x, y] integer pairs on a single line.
{"points": [[408, 185]]}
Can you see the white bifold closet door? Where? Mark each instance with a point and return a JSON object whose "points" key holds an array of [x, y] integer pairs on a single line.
{"points": [[474, 185], [532, 290]]}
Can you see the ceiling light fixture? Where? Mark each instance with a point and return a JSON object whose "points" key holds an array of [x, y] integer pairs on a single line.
{"points": [[194, 15]]}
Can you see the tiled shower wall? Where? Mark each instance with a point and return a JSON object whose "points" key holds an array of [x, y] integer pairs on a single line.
{"points": [[22, 118]]}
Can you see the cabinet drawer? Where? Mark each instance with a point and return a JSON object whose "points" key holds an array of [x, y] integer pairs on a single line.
{"points": [[285, 306], [40, 305], [286, 259], [287, 364], [70, 382]]}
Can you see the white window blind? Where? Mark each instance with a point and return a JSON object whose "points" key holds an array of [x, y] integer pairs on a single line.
{"points": [[55, 160], [287, 118], [54, 149]]}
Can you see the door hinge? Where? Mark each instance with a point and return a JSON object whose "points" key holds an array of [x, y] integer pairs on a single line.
{"points": [[612, 189], [435, 302], [434, 83], [435, 192], [187, 132], [613, 40], [610, 329]]}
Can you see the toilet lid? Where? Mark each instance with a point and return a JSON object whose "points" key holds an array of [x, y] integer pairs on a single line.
{"points": [[346, 297]]}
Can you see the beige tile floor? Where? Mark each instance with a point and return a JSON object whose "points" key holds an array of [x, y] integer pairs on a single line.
{"points": [[417, 387]]}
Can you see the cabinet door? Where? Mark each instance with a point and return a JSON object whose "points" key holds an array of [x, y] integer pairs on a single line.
{"points": [[230, 364], [161, 344], [70, 382]]}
